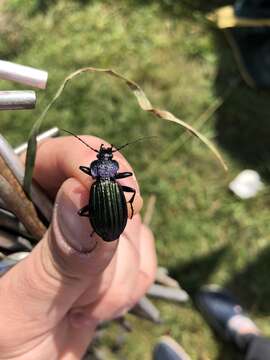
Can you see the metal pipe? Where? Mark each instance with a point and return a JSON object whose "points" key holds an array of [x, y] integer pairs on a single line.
{"points": [[15, 100], [23, 74]]}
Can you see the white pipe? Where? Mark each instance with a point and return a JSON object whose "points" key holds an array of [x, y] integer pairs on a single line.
{"points": [[23, 74]]}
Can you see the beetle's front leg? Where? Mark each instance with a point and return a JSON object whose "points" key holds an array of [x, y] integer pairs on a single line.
{"points": [[123, 175], [84, 211], [85, 169], [133, 191]]}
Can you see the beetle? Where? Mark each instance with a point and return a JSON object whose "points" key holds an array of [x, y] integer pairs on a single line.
{"points": [[107, 207]]}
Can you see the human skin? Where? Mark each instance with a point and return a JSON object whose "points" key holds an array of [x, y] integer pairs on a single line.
{"points": [[52, 301]]}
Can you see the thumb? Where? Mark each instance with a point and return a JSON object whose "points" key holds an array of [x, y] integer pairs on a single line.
{"points": [[41, 289]]}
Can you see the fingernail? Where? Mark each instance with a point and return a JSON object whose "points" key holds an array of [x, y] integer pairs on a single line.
{"points": [[75, 229]]}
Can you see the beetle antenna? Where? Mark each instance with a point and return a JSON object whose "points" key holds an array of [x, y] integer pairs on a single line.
{"points": [[132, 142], [81, 140]]}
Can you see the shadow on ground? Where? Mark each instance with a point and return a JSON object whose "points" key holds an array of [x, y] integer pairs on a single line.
{"points": [[197, 272], [251, 285], [174, 8], [243, 122], [187, 8], [42, 6]]}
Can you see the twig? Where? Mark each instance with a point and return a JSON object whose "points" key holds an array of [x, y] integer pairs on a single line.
{"points": [[16, 174], [8, 175], [21, 207]]}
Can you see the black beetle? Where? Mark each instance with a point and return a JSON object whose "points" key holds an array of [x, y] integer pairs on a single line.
{"points": [[107, 208]]}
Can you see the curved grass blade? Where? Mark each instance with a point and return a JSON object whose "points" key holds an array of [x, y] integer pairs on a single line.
{"points": [[143, 102]]}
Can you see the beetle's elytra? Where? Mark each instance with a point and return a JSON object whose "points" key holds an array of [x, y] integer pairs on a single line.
{"points": [[107, 207]]}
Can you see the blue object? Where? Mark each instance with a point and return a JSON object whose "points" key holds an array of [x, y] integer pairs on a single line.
{"points": [[218, 306]]}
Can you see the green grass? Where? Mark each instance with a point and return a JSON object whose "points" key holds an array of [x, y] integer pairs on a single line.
{"points": [[203, 233]]}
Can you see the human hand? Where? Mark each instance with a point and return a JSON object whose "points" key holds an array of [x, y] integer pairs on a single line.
{"points": [[52, 301]]}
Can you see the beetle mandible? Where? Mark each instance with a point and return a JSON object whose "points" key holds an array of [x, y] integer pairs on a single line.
{"points": [[107, 207]]}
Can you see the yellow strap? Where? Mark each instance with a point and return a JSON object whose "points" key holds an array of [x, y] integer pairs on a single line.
{"points": [[225, 17]]}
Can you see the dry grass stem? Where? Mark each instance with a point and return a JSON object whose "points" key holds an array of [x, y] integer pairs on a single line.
{"points": [[12, 194], [143, 102], [14, 173]]}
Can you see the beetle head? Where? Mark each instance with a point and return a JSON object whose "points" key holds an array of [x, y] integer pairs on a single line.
{"points": [[105, 153]]}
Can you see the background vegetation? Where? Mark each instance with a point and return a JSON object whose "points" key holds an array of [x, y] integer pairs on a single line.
{"points": [[203, 233]]}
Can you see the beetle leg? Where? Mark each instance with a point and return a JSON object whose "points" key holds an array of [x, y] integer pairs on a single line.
{"points": [[85, 169], [123, 175], [133, 191], [84, 211]]}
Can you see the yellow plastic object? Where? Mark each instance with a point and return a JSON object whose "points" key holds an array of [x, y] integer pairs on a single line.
{"points": [[225, 18]]}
